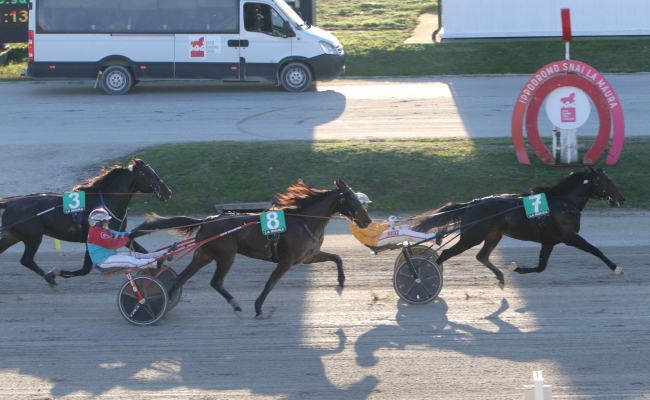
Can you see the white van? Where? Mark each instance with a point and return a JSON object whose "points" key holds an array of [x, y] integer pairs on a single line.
{"points": [[122, 42]]}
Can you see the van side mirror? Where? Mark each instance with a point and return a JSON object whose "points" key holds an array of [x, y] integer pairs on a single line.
{"points": [[287, 31]]}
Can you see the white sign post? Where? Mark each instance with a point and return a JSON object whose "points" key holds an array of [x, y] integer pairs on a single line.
{"points": [[568, 108]]}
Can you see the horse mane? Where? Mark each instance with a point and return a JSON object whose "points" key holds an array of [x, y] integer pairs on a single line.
{"points": [[105, 178], [298, 196], [563, 185]]}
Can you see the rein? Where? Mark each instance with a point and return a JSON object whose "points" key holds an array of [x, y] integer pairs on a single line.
{"points": [[4, 228]]}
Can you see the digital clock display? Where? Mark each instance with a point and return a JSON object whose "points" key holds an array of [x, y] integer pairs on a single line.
{"points": [[13, 15]]}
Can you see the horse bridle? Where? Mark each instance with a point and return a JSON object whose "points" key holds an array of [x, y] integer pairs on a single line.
{"points": [[344, 206], [155, 187], [598, 176]]}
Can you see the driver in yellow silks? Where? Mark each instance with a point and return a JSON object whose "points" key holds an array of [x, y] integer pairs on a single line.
{"points": [[376, 234]]}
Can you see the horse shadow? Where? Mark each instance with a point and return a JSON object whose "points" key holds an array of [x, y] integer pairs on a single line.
{"points": [[430, 326], [224, 356]]}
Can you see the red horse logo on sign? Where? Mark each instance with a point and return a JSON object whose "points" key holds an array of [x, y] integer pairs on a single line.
{"points": [[569, 99], [197, 48]]}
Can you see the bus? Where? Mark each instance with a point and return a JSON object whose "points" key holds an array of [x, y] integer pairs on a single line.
{"points": [[119, 43]]}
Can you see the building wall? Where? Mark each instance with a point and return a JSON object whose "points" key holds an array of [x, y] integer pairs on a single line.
{"points": [[541, 18]]}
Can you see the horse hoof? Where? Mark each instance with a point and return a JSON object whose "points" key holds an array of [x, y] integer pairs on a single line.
{"points": [[49, 278], [56, 271], [619, 271], [239, 314], [502, 285], [512, 266], [339, 289]]}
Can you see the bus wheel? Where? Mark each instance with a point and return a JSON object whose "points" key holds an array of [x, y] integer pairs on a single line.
{"points": [[296, 77], [116, 79]]}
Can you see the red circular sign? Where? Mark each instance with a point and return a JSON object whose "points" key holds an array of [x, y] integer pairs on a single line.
{"points": [[573, 73]]}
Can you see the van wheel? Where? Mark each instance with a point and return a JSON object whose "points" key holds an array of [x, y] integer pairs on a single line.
{"points": [[296, 77], [116, 79]]}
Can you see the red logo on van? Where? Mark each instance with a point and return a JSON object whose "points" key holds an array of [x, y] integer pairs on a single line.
{"points": [[197, 48]]}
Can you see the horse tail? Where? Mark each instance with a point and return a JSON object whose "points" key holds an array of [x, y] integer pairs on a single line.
{"points": [[449, 214], [181, 226]]}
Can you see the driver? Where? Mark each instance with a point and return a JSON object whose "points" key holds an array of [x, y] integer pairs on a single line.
{"points": [[103, 241], [376, 234]]}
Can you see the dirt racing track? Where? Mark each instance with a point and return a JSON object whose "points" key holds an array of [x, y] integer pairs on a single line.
{"points": [[586, 329]]}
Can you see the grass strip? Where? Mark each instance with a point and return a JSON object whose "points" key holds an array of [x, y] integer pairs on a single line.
{"points": [[401, 176]]}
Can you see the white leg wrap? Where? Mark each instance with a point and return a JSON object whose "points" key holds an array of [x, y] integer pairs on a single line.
{"points": [[234, 303], [618, 270], [512, 266]]}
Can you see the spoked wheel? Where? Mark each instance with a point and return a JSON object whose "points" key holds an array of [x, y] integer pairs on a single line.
{"points": [[418, 291], [167, 278], [419, 250], [154, 308]]}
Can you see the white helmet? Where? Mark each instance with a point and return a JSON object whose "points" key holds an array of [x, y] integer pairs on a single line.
{"points": [[98, 215], [363, 198]]}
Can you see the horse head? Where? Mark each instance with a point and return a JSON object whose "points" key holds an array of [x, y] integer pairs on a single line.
{"points": [[147, 181], [350, 206], [604, 188]]}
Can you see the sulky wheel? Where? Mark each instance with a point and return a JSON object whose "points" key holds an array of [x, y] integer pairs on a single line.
{"points": [[420, 291], [419, 250], [167, 278], [154, 308]]}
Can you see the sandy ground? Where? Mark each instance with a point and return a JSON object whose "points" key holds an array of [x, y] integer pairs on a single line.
{"points": [[586, 329]]}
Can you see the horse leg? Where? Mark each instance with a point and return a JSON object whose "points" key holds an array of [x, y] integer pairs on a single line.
{"points": [[85, 270], [223, 267], [136, 247], [579, 242], [199, 260], [31, 247], [544, 255], [323, 256], [277, 273], [7, 240], [458, 248], [483, 256]]}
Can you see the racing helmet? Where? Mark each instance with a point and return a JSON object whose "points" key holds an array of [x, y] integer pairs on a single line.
{"points": [[363, 198], [98, 215]]}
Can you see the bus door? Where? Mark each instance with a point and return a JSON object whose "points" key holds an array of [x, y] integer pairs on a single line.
{"points": [[202, 39], [263, 45]]}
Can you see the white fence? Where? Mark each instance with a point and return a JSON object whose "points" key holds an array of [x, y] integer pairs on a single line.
{"points": [[463, 19]]}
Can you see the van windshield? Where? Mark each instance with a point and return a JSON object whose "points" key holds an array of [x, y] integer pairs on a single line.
{"points": [[294, 18]]}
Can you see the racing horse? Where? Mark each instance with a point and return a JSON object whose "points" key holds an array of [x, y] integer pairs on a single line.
{"points": [[27, 218], [307, 213], [488, 219]]}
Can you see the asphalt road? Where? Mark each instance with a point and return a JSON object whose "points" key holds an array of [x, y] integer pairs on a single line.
{"points": [[69, 125], [586, 329]]}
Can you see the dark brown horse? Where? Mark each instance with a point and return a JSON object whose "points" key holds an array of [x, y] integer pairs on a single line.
{"points": [[490, 218], [307, 213], [27, 218]]}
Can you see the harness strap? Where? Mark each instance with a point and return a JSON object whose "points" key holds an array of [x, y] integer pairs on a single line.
{"points": [[109, 211], [310, 233]]}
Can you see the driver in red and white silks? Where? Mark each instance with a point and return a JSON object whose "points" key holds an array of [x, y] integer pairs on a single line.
{"points": [[103, 241], [376, 234]]}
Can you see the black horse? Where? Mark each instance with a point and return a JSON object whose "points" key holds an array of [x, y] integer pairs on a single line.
{"points": [[27, 218], [307, 213], [488, 219]]}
